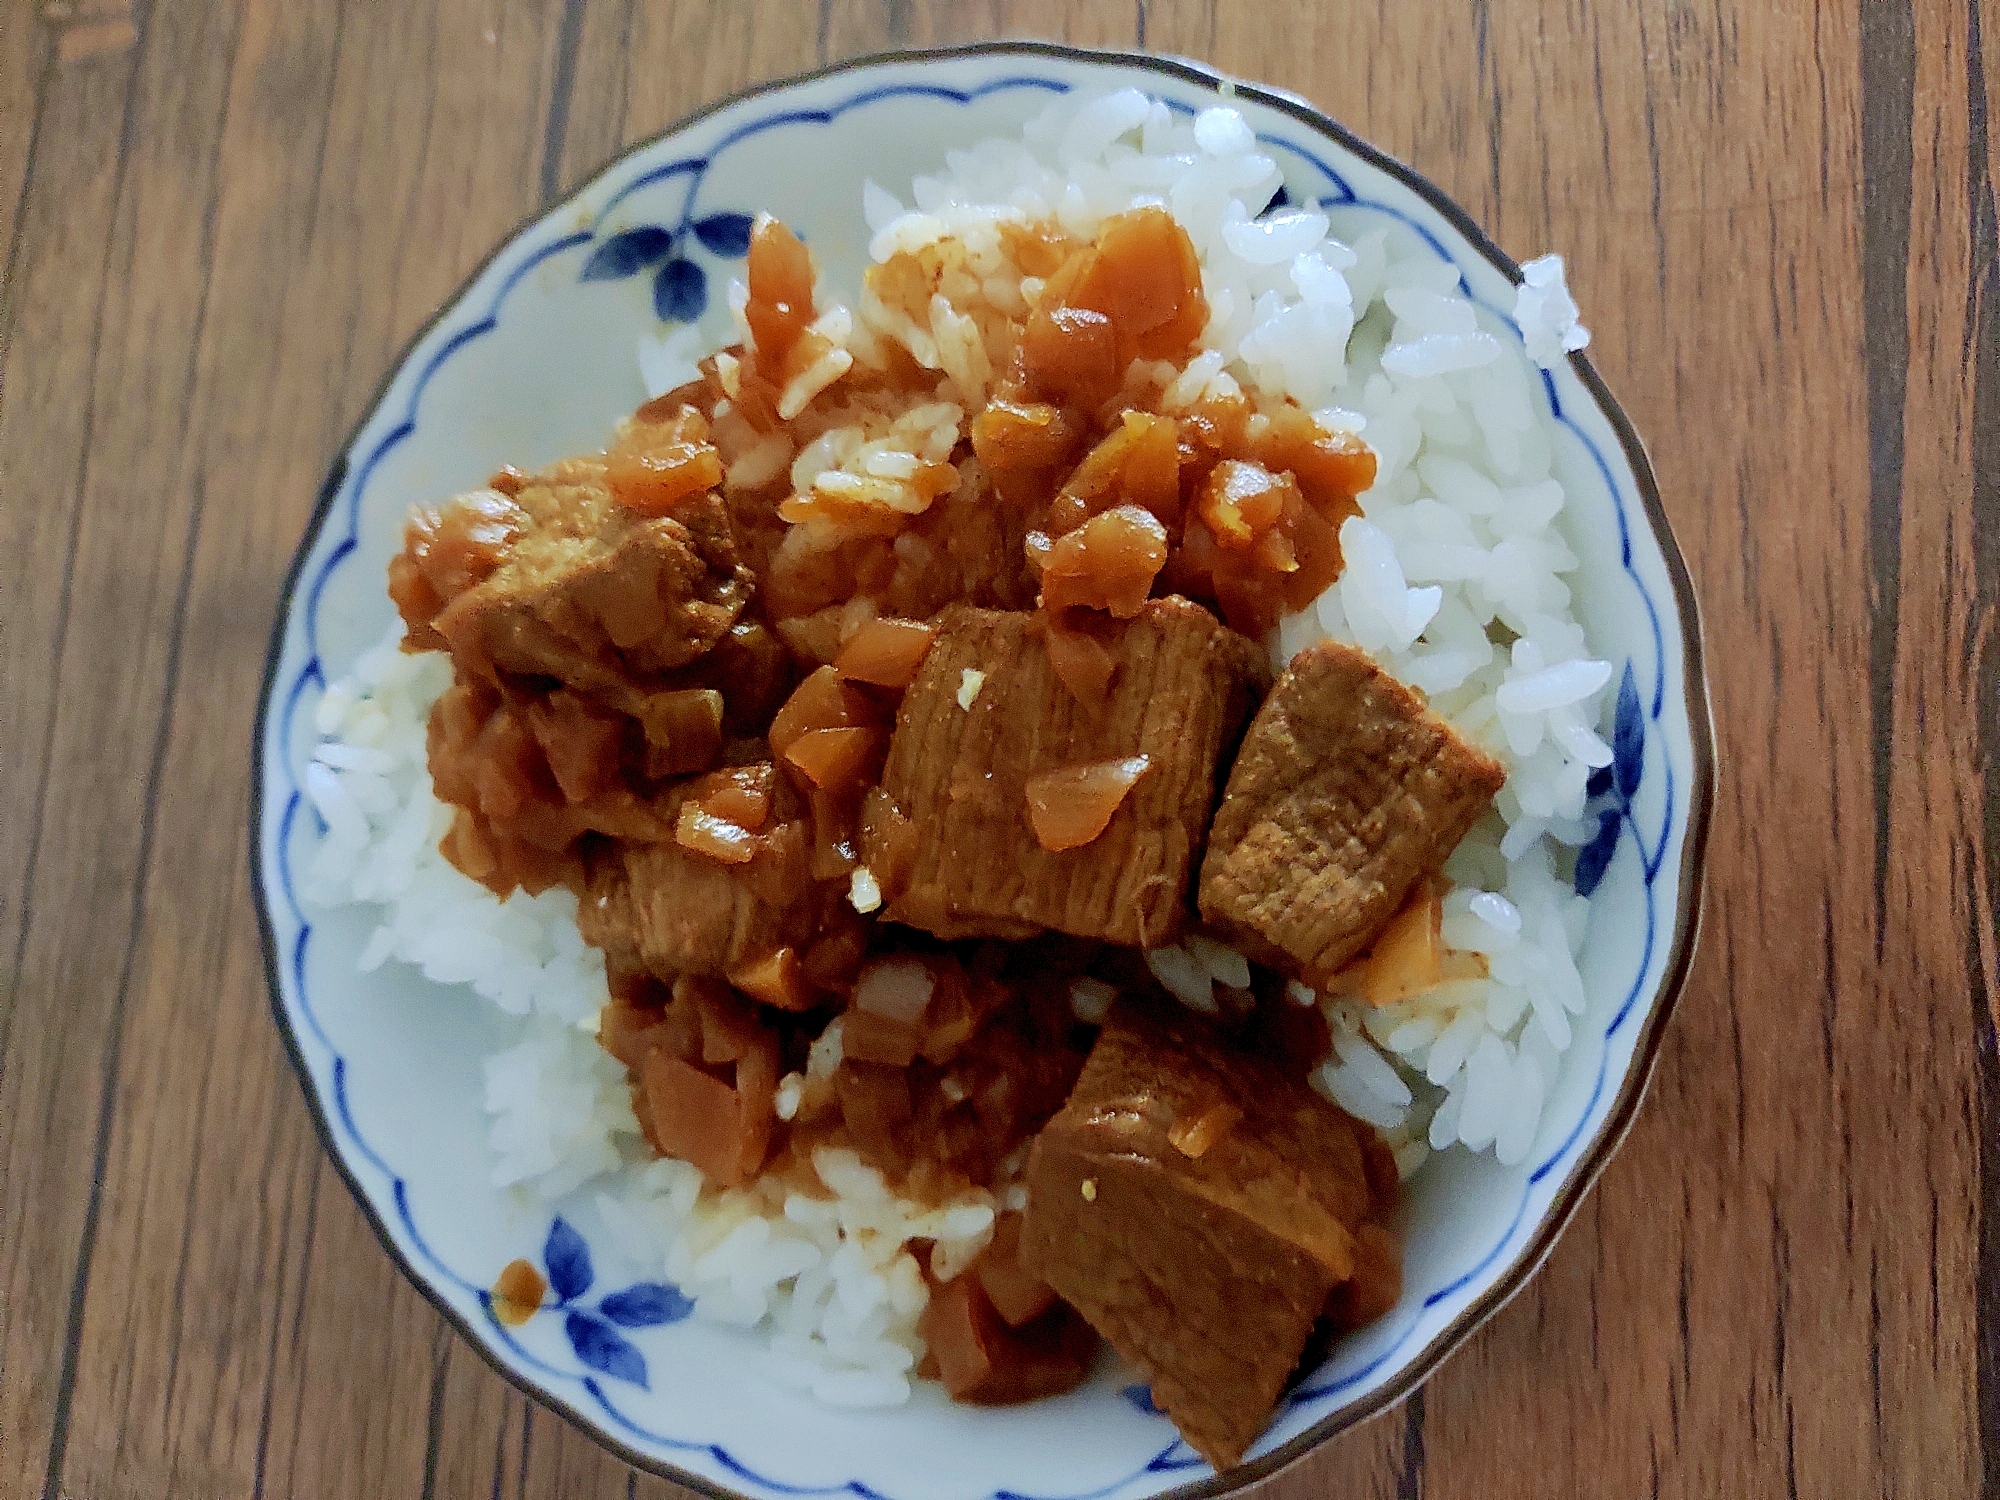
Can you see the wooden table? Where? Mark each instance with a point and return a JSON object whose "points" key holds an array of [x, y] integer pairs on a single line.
{"points": [[224, 219]]}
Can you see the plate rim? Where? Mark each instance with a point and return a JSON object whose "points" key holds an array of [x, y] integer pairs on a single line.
{"points": [[1623, 1112]]}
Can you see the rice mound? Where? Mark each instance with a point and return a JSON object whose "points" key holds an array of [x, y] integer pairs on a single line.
{"points": [[1453, 581]]}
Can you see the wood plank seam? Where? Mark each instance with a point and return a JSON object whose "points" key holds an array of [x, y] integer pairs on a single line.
{"points": [[1410, 1479], [9, 280], [264, 1405], [569, 37], [10, 271], [1888, 79], [1981, 347]]}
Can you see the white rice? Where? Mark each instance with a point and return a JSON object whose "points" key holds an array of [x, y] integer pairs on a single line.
{"points": [[1460, 538]]}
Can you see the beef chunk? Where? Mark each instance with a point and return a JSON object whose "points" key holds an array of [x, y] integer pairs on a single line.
{"points": [[984, 1360], [1180, 691], [589, 591], [1347, 792], [674, 911], [1200, 1208]]}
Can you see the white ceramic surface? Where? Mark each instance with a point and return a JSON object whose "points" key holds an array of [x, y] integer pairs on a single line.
{"points": [[535, 359]]}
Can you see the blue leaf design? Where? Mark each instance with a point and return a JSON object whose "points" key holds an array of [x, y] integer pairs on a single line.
{"points": [[1599, 783], [1628, 735], [725, 234], [628, 252], [1595, 857], [603, 1349], [1178, 1456], [568, 1260], [1141, 1396], [645, 1305], [680, 292]]}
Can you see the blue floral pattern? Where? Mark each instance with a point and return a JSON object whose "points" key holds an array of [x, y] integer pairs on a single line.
{"points": [[593, 1334], [606, 1359], [680, 286], [1611, 789]]}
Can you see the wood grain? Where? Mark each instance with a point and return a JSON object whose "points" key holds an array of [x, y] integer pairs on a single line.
{"points": [[221, 222]]}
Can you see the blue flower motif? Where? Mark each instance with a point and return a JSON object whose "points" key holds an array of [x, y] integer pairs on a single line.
{"points": [[593, 1333], [1628, 735], [725, 234], [628, 253], [680, 292], [568, 1260], [680, 285], [646, 1304], [1611, 787], [603, 1349]]}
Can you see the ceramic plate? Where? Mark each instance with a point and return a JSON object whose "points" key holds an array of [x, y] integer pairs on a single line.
{"points": [[535, 359]]}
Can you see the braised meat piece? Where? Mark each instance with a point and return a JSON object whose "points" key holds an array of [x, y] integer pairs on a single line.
{"points": [[704, 1066], [570, 581], [1347, 792], [674, 910], [986, 1360], [1013, 805], [1201, 1209]]}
